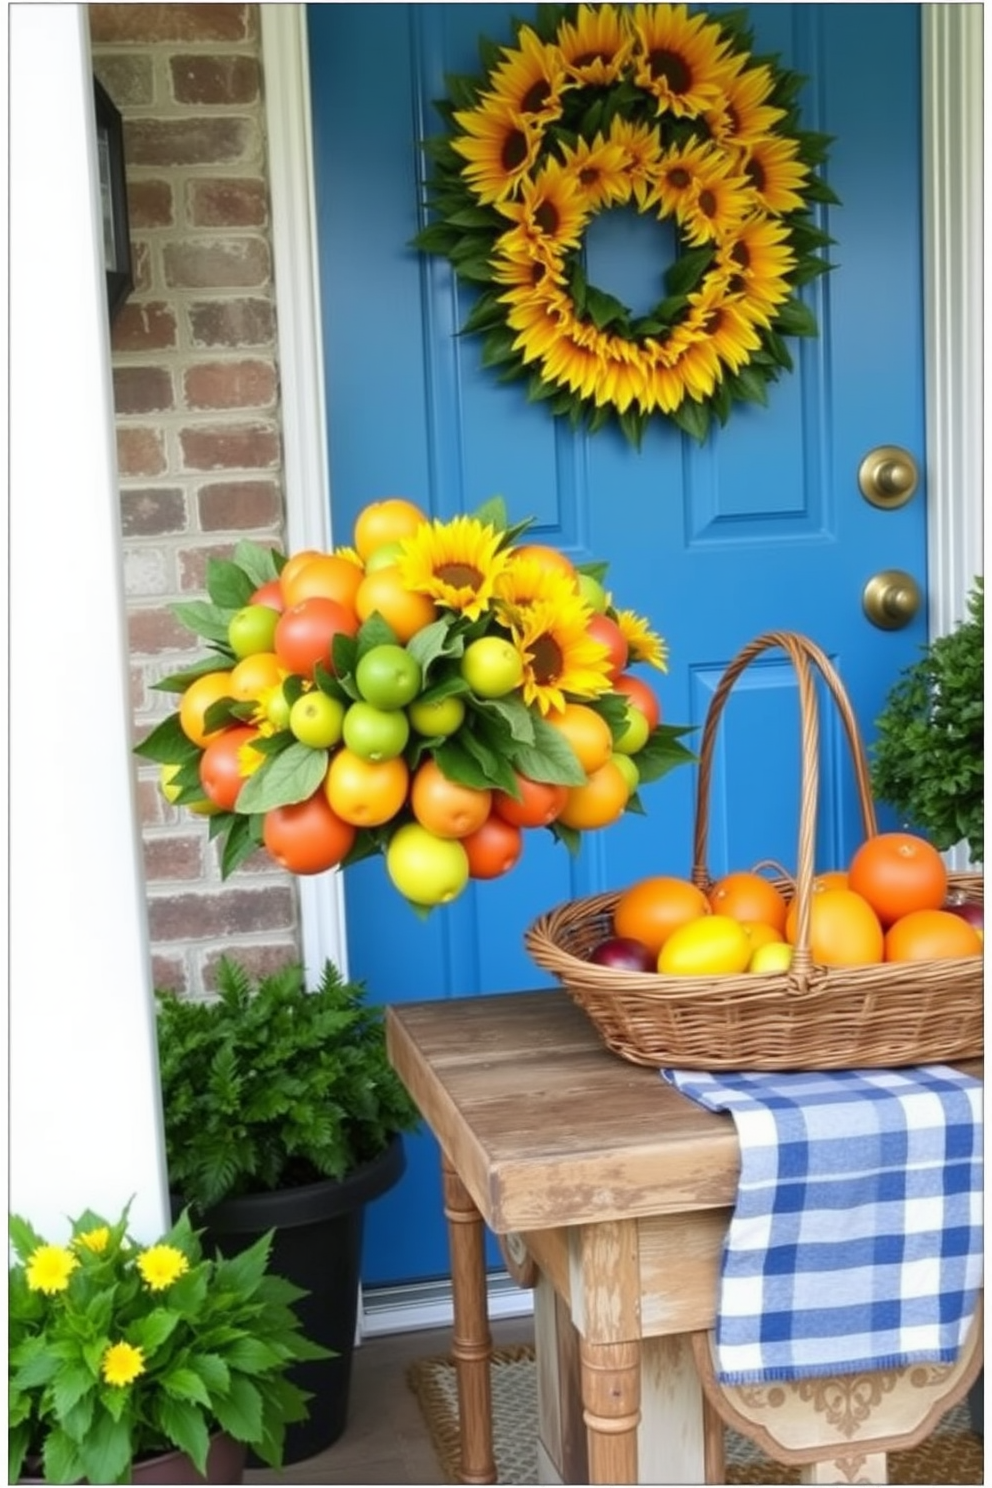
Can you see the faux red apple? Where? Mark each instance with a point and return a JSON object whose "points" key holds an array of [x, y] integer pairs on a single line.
{"points": [[623, 953], [970, 911]]}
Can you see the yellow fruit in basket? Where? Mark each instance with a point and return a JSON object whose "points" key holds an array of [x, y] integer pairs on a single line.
{"points": [[713, 945], [775, 955], [650, 909], [760, 933]]}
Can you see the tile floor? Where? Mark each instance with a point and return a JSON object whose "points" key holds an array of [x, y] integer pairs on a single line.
{"points": [[385, 1440]]}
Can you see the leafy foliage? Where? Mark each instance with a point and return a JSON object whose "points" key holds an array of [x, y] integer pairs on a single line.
{"points": [[214, 1345], [270, 1085], [928, 759]]}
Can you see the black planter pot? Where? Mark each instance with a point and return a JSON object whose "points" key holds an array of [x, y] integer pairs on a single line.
{"points": [[317, 1246]]}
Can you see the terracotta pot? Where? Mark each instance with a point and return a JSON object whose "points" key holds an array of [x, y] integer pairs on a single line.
{"points": [[225, 1464]]}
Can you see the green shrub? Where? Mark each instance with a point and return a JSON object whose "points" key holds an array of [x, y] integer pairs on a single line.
{"points": [[928, 759], [271, 1086]]}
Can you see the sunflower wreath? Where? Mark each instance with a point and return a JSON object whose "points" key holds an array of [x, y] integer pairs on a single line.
{"points": [[600, 106]]}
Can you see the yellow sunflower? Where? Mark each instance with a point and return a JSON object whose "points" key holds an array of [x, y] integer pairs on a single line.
{"points": [[717, 203], [500, 148], [516, 264], [595, 49], [532, 79], [548, 621], [681, 172], [538, 315], [726, 324], [742, 113], [682, 62], [552, 210], [777, 174], [686, 365], [643, 644], [455, 563], [758, 260], [642, 154], [601, 169]]}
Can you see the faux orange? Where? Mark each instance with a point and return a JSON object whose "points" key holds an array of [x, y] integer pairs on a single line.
{"points": [[652, 908], [748, 896], [844, 929], [931, 935], [898, 872]]}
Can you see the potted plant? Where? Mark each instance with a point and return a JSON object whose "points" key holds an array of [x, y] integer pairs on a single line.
{"points": [[133, 1363], [928, 758], [282, 1112]]}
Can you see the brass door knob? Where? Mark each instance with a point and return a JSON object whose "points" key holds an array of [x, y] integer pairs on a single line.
{"points": [[891, 599], [888, 477]]}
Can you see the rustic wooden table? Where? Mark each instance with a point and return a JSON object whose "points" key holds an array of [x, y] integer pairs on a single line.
{"points": [[619, 1190]]}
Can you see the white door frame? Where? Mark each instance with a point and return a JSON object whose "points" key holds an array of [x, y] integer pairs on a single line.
{"points": [[952, 207]]}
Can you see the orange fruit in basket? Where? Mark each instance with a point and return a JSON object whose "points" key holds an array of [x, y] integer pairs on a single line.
{"points": [[652, 908], [844, 929], [834, 878], [749, 896], [760, 934], [931, 935], [898, 872]]}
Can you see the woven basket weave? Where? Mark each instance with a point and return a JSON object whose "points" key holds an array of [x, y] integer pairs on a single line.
{"points": [[810, 1017]]}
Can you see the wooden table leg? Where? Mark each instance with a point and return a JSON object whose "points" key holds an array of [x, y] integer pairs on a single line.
{"points": [[471, 1344], [611, 1397]]}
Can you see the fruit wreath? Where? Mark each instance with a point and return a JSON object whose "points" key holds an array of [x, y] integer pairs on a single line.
{"points": [[646, 107], [429, 693]]}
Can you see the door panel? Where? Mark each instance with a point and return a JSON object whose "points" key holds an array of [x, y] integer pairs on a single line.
{"points": [[762, 527]]}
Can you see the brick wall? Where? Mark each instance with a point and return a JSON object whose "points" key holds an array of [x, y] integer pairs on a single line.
{"points": [[196, 389]]}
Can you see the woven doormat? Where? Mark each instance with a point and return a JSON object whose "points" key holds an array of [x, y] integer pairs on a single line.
{"points": [[952, 1454]]}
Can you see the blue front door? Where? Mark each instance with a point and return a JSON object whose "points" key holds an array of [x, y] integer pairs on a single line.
{"points": [[762, 527]]}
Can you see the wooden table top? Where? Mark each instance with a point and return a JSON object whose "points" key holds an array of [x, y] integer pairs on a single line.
{"points": [[544, 1125]]}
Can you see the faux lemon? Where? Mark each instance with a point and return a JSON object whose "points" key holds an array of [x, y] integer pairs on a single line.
{"points": [[709, 946]]}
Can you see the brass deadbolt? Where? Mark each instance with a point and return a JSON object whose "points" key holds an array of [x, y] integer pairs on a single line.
{"points": [[891, 599], [888, 477]]}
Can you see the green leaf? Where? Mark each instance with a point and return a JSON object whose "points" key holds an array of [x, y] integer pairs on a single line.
{"points": [[260, 564], [517, 720], [682, 277], [73, 1382], [692, 418], [240, 1411], [206, 620], [550, 758], [243, 838], [106, 1451], [795, 319], [662, 751], [150, 1332], [62, 1460], [438, 640], [606, 310], [167, 744], [185, 1426], [179, 681], [283, 779], [186, 1384], [253, 1356], [229, 586]]}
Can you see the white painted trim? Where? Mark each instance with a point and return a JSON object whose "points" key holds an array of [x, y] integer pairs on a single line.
{"points": [[409, 1308], [953, 138], [297, 287]]}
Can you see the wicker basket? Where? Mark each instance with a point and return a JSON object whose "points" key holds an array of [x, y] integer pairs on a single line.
{"points": [[810, 1017]]}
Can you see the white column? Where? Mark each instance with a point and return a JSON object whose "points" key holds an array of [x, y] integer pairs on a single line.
{"points": [[85, 1107]]}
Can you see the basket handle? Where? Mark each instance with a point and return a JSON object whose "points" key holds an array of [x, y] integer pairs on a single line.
{"points": [[805, 656]]}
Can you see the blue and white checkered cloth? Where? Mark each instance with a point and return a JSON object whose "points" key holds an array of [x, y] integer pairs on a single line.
{"points": [[856, 1240]]}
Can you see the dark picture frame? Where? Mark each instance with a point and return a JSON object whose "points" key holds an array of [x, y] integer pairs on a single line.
{"points": [[113, 198]]}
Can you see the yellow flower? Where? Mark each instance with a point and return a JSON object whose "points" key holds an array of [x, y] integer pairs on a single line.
{"points": [[500, 147], [454, 563], [601, 170], [742, 112], [122, 1363], [776, 173], [642, 154], [758, 259], [49, 1268], [96, 1240], [161, 1266], [552, 211], [682, 62], [350, 555], [532, 79], [548, 620], [642, 642], [597, 46]]}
